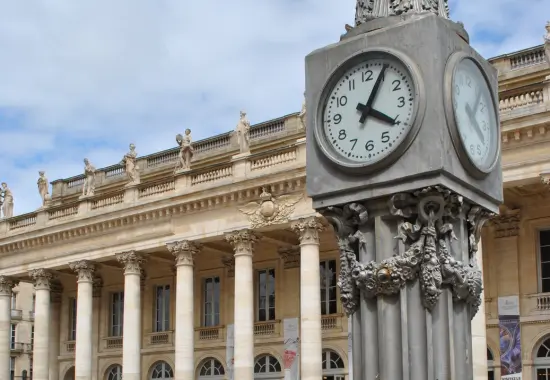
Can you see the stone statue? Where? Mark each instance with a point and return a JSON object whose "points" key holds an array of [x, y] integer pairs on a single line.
{"points": [[547, 36], [43, 188], [129, 161], [366, 10], [186, 151], [243, 133], [88, 188], [302, 115], [7, 200]]}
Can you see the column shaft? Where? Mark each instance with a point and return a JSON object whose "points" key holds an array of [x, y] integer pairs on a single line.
{"points": [[131, 343], [184, 251], [84, 313], [311, 347], [6, 288], [55, 295], [243, 243], [42, 320]]}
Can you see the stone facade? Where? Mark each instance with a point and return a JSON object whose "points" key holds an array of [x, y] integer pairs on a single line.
{"points": [[208, 263]]}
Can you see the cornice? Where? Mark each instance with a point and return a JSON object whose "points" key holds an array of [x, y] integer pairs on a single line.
{"points": [[135, 216]]}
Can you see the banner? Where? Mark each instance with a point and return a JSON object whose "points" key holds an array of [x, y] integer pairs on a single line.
{"points": [[291, 356], [510, 338], [229, 351], [350, 348]]}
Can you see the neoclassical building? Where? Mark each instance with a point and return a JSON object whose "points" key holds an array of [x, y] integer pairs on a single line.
{"points": [[209, 263]]}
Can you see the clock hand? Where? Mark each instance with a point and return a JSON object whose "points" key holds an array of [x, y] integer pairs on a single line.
{"points": [[473, 120], [478, 98], [366, 108], [381, 116]]}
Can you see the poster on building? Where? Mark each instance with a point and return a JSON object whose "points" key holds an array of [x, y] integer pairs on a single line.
{"points": [[350, 349], [291, 354], [229, 351], [510, 338]]}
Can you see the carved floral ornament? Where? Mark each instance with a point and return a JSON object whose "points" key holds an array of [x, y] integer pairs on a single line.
{"points": [[84, 269], [242, 241], [184, 251], [42, 278], [290, 256], [506, 224], [132, 262], [308, 230], [426, 229], [366, 10], [6, 285], [270, 210]]}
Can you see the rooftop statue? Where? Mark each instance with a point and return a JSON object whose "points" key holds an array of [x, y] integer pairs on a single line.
{"points": [[186, 151], [88, 188], [366, 10], [6, 200], [43, 189], [129, 161], [302, 115], [243, 133]]}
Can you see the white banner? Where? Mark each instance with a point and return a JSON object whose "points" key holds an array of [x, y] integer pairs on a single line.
{"points": [[291, 355]]}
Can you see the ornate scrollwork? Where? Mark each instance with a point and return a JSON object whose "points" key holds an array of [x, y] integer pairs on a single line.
{"points": [[132, 262], [184, 251], [345, 222]]}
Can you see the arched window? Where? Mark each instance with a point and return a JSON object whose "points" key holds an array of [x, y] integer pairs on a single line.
{"points": [[490, 365], [267, 367], [161, 371], [333, 366], [69, 375], [211, 369], [542, 361], [114, 372]]}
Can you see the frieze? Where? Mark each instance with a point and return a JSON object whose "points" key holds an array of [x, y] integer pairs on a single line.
{"points": [[506, 224]]}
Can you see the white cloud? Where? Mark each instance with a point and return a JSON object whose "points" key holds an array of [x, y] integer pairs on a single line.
{"points": [[83, 79]]}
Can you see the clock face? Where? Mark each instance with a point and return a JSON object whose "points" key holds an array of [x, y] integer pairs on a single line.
{"points": [[475, 114], [368, 111]]}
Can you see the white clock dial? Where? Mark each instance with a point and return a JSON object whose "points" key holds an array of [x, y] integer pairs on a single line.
{"points": [[362, 129], [475, 114]]}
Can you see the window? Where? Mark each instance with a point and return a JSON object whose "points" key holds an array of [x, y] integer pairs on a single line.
{"points": [[333, 365], [542, 361], [544, 245], [162, 371], [211, 307], [30, 368], [72, 318], [266, 295], [32, 335], [211, 369], [490, 365], [117, 314], [12, 368], [162, 308], [33, 306], [14, 301], [12, 337], [267, 364], [114, 372], [328, 287]]}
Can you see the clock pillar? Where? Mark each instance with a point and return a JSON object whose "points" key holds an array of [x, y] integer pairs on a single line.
{"points": [[408, 212]]}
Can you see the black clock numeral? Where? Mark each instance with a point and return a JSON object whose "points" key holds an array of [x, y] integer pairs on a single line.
{"points": [[351, 84], [354, 141], [337, 118], [396, 83], [369, 145], [366, 75], [478, 150], [401, 102], [482, 109], [484, 125], [469, 82], [342, 134], [397, 122], [472, 149], [341, 101], [457, 90], [385, 137]]}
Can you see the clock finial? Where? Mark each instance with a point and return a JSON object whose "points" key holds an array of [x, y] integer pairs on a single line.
{"points": [[366, 10]]}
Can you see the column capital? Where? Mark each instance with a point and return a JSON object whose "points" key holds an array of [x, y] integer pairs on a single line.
{"points": [[308, 229], [6, 285], [184, 251], [132, 262], [56, 290], [42, 278], [290, 256], [242, 241], [507, 223], [97, 284], [84, 269], [229, 262]]}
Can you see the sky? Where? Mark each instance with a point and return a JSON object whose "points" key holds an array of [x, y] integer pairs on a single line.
{"points": [[86, 78]]}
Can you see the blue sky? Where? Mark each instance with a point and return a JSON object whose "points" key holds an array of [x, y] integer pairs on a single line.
{"points": [[85, 78]]}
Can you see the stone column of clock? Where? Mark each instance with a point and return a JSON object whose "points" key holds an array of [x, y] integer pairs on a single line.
{"points": [[6, 290], [184, 252], [131, 341], [243, 243], [84, 317], [310, 299], [41, 345]]}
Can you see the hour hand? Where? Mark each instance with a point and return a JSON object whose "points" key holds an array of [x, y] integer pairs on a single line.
{"points": [[473, 120], [381, 116]]}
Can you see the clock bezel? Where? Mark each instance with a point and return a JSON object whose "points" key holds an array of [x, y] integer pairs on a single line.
{"points": [[419, 107], [468, 163]]}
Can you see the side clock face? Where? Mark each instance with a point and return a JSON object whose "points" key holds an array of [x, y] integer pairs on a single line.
{"points": [[368, 110], [475, 115]]}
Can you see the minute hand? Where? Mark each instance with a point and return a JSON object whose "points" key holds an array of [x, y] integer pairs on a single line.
{"points": [[366, 108]]}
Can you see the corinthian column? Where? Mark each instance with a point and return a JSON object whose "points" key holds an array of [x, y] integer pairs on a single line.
{"points": [[184, 252], [131, 341], [41, 363], [243, 243], [311, 348], [6, 289], [83, 352], [56, 290]]}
